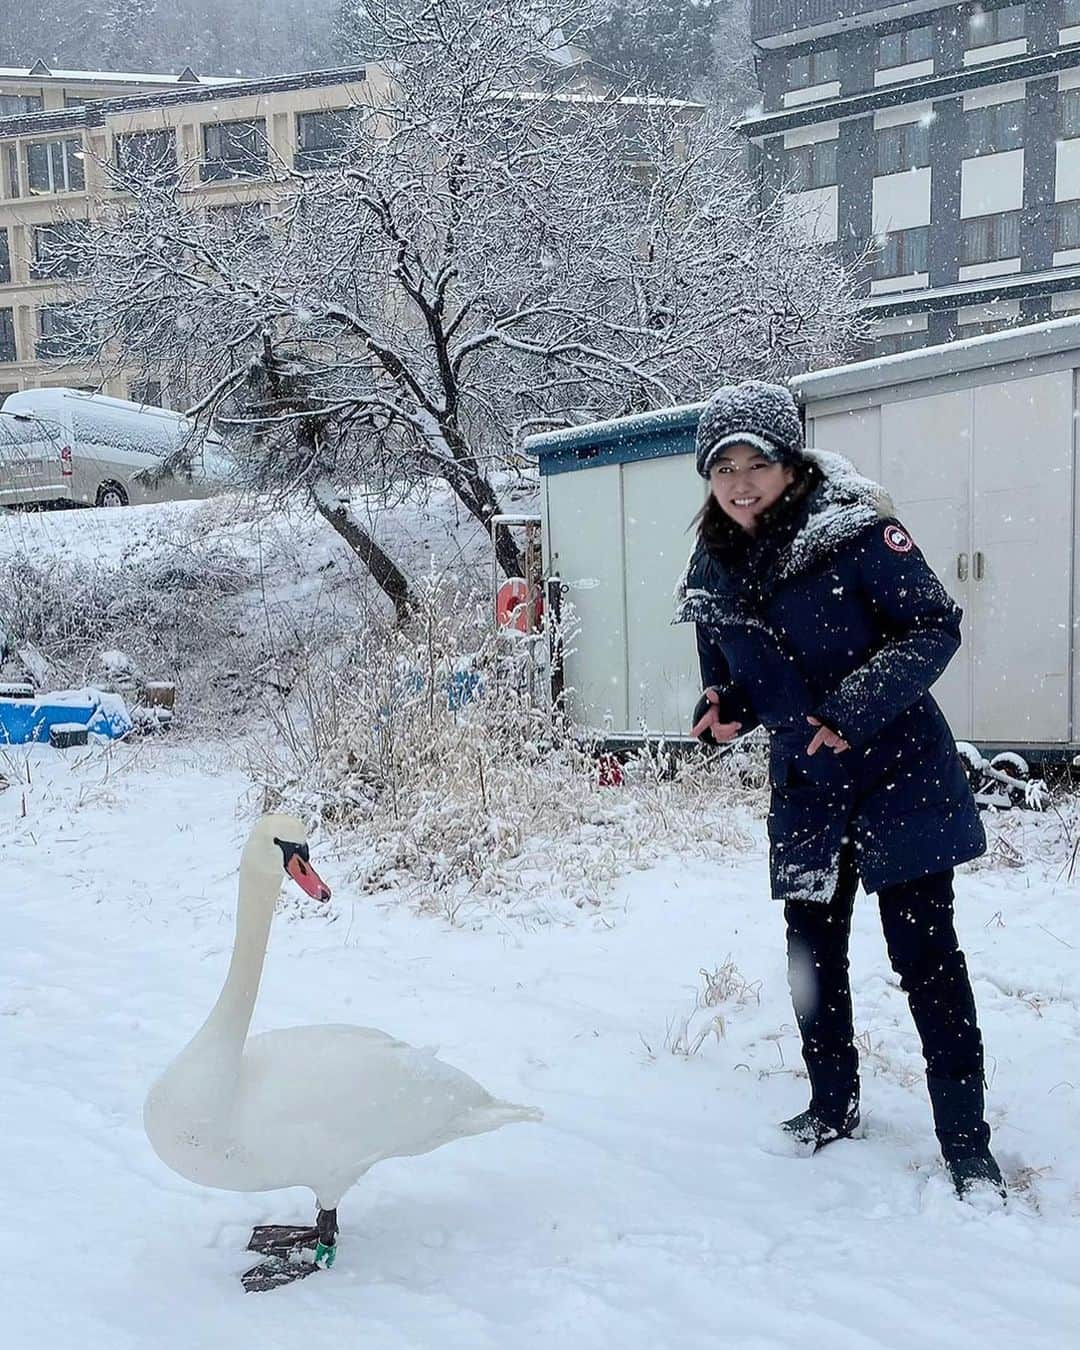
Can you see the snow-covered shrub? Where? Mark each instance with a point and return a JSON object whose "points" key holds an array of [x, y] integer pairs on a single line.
{"points": [[436, 750], [159, 612], [1048, 839]]}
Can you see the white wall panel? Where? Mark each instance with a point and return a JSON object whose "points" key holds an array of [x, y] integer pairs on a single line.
{"points": [[1000, 267], [856, 434], [901, 201], [901, 323], [1067, 181], [660, 499], [585, 533], [996, 312], [992, 183], [816, 213], [795, 97], [913, 281], [1022, 527], [914, 70], [902, 115], [978, 56], [926, 466], [824, 131], [995, 94]]}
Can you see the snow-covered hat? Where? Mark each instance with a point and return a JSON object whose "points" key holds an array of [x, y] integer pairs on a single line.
{"points": [[751, 413]]}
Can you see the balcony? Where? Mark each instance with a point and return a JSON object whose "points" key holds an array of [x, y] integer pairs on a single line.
{"points": [[775, 23]]}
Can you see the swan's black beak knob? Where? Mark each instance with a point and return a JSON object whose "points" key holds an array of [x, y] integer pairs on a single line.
{"points": [[295, 858]]}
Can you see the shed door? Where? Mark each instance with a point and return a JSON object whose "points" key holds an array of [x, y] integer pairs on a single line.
{"points": [[660, 498], [926, 467], [585, 543], [1022, 538]]}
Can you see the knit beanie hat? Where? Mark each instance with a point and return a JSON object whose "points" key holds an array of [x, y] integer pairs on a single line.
{"points": [[751, 413]]}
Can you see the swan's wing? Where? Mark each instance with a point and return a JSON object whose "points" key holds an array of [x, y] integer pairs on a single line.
{"points": [[331, 1061], [352, 1095]]}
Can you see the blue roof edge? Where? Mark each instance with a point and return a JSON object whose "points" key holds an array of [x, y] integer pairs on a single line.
{"points": [[618, 440]]}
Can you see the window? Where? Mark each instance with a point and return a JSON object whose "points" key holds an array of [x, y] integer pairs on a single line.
{"points": [[988, 131], [234, 150], [1068, 225], [1069, 113], [11, 105], [12, 172], [902, 253], [7, 336], [5, 258], [322, 137], [990, 238], [63, 332], [246, 224], [987, 26], [54, 166], [146, 155], [59, 249], [903, 147], [1070, 13], [803, 72], [147, 392], [812, 166], [901, 49], [890, 344]]}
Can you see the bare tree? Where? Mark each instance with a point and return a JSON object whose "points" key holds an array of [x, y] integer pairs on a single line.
{"points": [[492, 249]]}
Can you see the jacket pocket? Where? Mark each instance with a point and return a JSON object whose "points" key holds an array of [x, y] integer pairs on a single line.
{"points": [[792, 769]]}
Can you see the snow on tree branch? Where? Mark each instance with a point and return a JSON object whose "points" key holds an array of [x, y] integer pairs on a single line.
{"points": [[500, 244]]}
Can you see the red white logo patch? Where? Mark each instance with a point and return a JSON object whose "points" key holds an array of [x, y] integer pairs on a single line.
{"points": [[898, 539]]}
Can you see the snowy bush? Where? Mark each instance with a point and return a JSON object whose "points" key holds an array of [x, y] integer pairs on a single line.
{"points": [[436, 750], [159, 609]]}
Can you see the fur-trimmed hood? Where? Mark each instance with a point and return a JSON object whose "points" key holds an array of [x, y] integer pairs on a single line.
{"points": [[842, 505]]}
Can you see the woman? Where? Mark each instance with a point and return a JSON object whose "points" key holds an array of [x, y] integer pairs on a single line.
{"points": [[819, 619]]}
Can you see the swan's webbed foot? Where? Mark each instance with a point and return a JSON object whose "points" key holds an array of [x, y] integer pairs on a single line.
{"points": [[284, 1244], [275, 1272], [280, 1239]]}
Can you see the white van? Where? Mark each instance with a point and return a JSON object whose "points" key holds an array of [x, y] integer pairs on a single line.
{"points": [[61, 446]]}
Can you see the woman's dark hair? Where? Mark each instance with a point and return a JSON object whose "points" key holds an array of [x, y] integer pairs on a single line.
{"points": [[721, 535]]}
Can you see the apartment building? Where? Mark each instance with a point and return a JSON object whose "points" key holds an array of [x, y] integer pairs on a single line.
{"points": [[59, 131], [946, 136]]}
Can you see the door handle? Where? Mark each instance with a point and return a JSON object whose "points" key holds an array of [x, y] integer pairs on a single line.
{"points": [[978, 567], [961, 566]]}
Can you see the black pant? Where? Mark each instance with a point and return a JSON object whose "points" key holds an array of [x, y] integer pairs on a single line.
{"points": [[917, 918]]}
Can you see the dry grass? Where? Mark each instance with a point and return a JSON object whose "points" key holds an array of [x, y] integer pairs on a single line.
{"points": [[480, 804], [723, 986]]}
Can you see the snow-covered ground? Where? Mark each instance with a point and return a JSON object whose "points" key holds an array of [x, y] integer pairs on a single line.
{"points": [[641, 1213]]}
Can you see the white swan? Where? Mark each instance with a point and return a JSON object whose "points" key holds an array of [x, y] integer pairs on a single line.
{"points": [[308, 1106]]}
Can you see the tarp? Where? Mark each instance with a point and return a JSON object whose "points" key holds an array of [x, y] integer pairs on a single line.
{"points": [[29, 719]]}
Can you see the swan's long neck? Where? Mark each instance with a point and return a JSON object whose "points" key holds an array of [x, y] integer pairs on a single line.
{"points": [[230, 1017]]}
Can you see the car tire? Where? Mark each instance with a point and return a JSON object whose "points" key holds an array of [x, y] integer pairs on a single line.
{"points": [[111, 494]]}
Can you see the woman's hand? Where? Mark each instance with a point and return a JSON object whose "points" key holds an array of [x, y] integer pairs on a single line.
{"points": [[825, 736], [720, 731]]}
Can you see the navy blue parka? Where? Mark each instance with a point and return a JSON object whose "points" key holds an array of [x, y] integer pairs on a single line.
{"points": [[839, 616]]}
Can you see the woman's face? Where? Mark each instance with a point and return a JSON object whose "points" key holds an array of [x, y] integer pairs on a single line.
{"points": [[745, 483]]}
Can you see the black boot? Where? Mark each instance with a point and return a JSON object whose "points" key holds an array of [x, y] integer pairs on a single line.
{"points": [[812, 1130], [978, 1173]]}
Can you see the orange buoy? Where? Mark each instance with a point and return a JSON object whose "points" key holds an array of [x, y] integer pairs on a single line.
{"points": [[512, 609]]}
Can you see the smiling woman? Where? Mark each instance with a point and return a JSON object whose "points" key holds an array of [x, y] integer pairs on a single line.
{"points": [[818, 618]]}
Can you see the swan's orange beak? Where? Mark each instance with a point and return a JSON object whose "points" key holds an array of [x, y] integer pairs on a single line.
{"points": [[307, 878]]}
